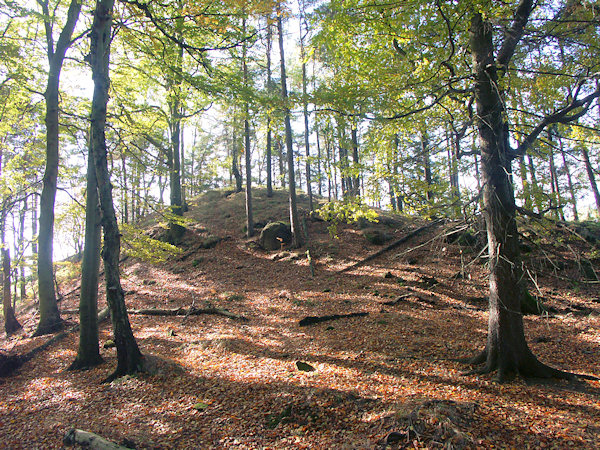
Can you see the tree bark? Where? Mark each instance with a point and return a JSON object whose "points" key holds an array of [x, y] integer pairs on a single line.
{"points": [[176, 230], [294, 220], [305, 110], [249, 212], [88, 352], [269, 149], [50, 320], [506, 349], [11, 324], [129, 357], [569, 179], [591, 177], [235, 156]]}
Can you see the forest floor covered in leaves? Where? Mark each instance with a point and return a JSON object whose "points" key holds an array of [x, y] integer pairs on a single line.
{"points": [[389, 379]]}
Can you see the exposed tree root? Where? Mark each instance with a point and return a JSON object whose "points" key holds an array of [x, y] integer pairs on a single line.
{"points": [[530, 368]]}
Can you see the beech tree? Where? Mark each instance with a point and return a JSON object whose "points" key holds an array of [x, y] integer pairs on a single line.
{"points": [[129, 357], [430, 73]]}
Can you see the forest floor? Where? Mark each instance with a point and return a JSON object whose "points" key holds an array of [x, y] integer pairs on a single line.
{"points": [[389, 379]]}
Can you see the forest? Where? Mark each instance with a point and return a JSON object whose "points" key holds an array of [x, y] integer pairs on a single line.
{"points": [[303, 224]]}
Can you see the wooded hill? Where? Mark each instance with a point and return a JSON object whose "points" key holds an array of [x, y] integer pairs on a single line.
{"points": [[472, 124], [257, 377]]}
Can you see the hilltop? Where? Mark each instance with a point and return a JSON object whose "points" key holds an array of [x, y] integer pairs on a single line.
{"points": [[257, 379]]}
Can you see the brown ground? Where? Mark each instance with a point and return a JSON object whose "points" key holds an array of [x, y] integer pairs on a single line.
{"points": [[240, 386]]}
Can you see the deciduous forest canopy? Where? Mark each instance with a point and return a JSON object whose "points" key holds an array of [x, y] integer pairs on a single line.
{"points": [[236, 170]]}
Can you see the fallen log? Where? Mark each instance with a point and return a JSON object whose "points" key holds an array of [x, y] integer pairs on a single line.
{"points": [[311, 320], [391, 246], [90, 440], [186, 312]]}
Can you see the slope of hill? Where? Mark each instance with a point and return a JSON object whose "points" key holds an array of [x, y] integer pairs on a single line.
{"points": [[389, 377]]}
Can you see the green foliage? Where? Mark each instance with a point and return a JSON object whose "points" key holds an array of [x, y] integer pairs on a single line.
{"points": [[139, 245], [348, 211]]}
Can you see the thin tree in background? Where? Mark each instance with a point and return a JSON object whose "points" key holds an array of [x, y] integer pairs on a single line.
{"points": [[269, 150], [294, 220], [247, 149]]}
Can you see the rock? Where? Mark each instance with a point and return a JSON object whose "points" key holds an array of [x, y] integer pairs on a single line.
{"points": [[389, 275], [274, 235], [304, 367], [375, 236], [109, 344]]}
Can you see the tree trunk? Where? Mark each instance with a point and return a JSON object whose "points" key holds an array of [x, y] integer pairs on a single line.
{"points": [[88, 352], [125, 198], [591, 177], [569, 179], [129, 358], [294, 220], [355, 181], [11, 324], [506, 350], [269, 150], [50, 320], [305, 110], [176, 229], [558, 214], [427, 167], [249, 212], [235, 160]]}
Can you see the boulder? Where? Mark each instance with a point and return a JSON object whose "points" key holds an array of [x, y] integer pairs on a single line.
{"points": [[274, 234]]}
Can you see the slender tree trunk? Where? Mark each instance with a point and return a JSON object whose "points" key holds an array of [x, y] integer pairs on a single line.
{"points": [[176, 230], [11, 324], [269, 150], [249, 212], [535, 188], [88, 352], [281, 158], [129, 358], [50, 320], [125, 188], [427, 166], [305, 110], [319, 161], [21, 246], [591, 177], [294, 219], [569, 179], [235, 160], [355, 183], [559, 214]]}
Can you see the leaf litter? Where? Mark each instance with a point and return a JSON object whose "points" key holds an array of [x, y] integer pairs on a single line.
{"points": [[389, 379]]}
